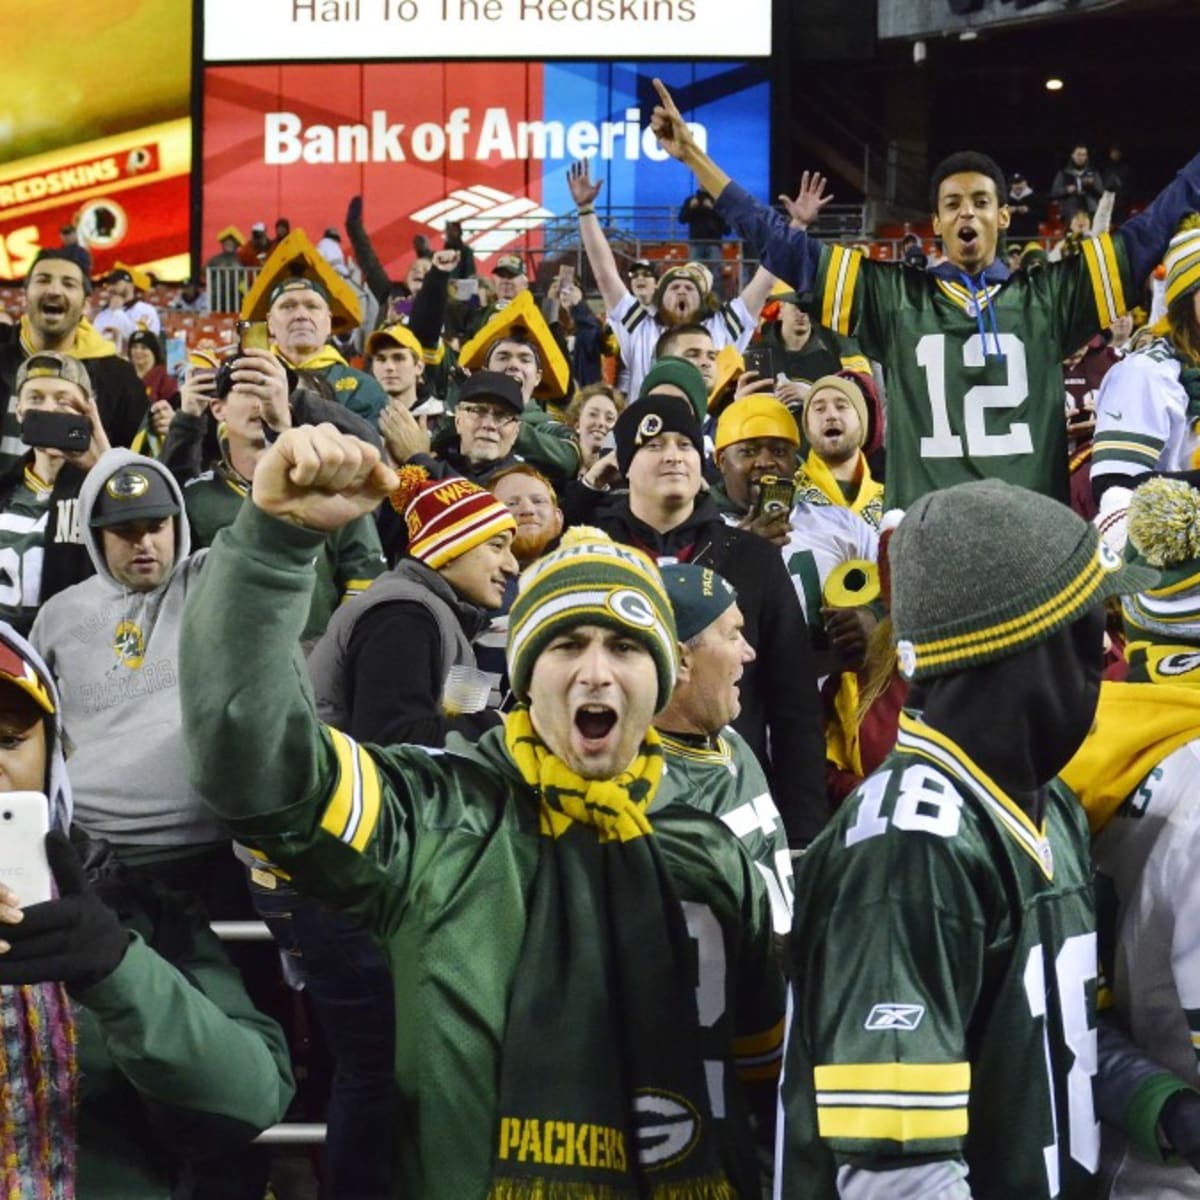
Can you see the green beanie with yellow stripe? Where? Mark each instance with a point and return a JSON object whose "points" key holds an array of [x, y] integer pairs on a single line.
{"points": [[985, 570], [591, 580]]}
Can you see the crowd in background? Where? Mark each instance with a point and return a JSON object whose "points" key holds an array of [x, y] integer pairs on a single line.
{"points": [[756, 436]]}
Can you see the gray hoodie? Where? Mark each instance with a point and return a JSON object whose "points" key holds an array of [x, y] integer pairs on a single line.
{"points": [[114, 653]]}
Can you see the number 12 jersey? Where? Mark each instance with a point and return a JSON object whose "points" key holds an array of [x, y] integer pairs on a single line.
{"points": [[974, 373]]}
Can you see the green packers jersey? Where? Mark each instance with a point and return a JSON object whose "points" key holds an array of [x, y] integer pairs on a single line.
{"points": [[353, 555], [725, 779], [22, 548], [945, 958], [974, 397], [436, 852]]}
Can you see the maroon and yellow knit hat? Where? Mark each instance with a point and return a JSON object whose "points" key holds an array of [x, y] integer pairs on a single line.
{"points": [[446, 517]]}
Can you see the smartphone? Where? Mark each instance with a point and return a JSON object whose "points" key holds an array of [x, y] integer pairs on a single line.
{"points": [[466, 289], [56, 430], [775, 495], [253, 335], [758, 358], [24, 868], [566, 275]]}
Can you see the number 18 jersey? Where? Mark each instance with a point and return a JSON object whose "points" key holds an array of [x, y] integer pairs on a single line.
{"points": [[965, 404], [945, 972]]}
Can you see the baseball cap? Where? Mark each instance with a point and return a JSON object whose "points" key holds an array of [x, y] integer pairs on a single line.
{"points": [[510, 266], [53, 363], [641, 266], [698, 597], [297, 283], [492, 385], [392, 337], [133, 493]]}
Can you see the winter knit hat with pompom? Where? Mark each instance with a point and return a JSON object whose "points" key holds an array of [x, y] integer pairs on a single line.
{"points": [[446, 517], [1164, 532], [592, 580]]}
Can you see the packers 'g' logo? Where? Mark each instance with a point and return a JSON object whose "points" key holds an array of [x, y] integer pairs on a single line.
{"points": [[129, 644], [127, 485], [631, 607], [667, 1128], [1179, 664], [650, 426], [1110, 560]]}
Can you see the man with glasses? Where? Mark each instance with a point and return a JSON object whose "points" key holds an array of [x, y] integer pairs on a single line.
{"points": [[486, 421]]}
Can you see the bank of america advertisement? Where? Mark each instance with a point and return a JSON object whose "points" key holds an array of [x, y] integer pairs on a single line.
{"points": [[484, 143]]}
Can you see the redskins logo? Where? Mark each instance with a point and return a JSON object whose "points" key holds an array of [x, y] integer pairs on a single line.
{"points": [[129, 645], [630, 607], [127, 485], [650, 426], [666, 1129]]}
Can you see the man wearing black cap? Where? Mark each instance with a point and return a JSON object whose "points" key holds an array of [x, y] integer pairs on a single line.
{"points": [[486, 423], [301, 321], [127, 287], [56, 293], [659, 451]]}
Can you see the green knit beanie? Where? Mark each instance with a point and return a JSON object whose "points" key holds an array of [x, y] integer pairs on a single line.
{"points": [[684, 375], [985, 570], [1164, 532], [591, 580]]}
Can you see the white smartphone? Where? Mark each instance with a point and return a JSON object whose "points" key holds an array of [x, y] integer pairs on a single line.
{"points": [[24, 823]]}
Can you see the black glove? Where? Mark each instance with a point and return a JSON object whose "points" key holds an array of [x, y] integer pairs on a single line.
{"points": [[76, 939], [1180, 1122]]}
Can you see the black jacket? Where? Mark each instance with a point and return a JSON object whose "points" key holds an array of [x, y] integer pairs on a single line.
{"points": [[781, 715]]}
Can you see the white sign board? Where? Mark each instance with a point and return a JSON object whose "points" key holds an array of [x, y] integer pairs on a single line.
{"points": [[288, 30]]}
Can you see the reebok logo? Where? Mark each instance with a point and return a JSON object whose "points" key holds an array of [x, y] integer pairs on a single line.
{"points": [[492, 218], [899, 1018]]}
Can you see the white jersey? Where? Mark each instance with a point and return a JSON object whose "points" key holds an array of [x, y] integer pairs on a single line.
{"points": [[144, 316], [637, 332], [1142, 421], [823, 537], [116, 325], [1150, 850]]}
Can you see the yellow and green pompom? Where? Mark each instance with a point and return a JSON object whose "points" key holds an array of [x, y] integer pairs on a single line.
{"points": [[1164, 522], [412, 480], [1191, 221]]}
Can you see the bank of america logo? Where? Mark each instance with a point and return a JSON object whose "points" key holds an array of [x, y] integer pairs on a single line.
{"points": [[491, 218], [895, 1017]]}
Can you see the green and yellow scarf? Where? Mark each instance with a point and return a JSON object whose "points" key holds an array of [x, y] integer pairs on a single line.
{"points": [[602, 1089]]}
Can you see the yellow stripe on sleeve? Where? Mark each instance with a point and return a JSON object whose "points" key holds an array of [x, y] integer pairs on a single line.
{"points": [[1108, 255], [353, 810], [370, 801], [1103, 305], [892, 1124], [752, 1045], [848, 288], [893, 1077], [338, 811]]}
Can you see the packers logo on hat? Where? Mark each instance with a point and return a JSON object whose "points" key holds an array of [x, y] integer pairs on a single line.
{"points": [[650, 426], [127, 485], [631, 607]]}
